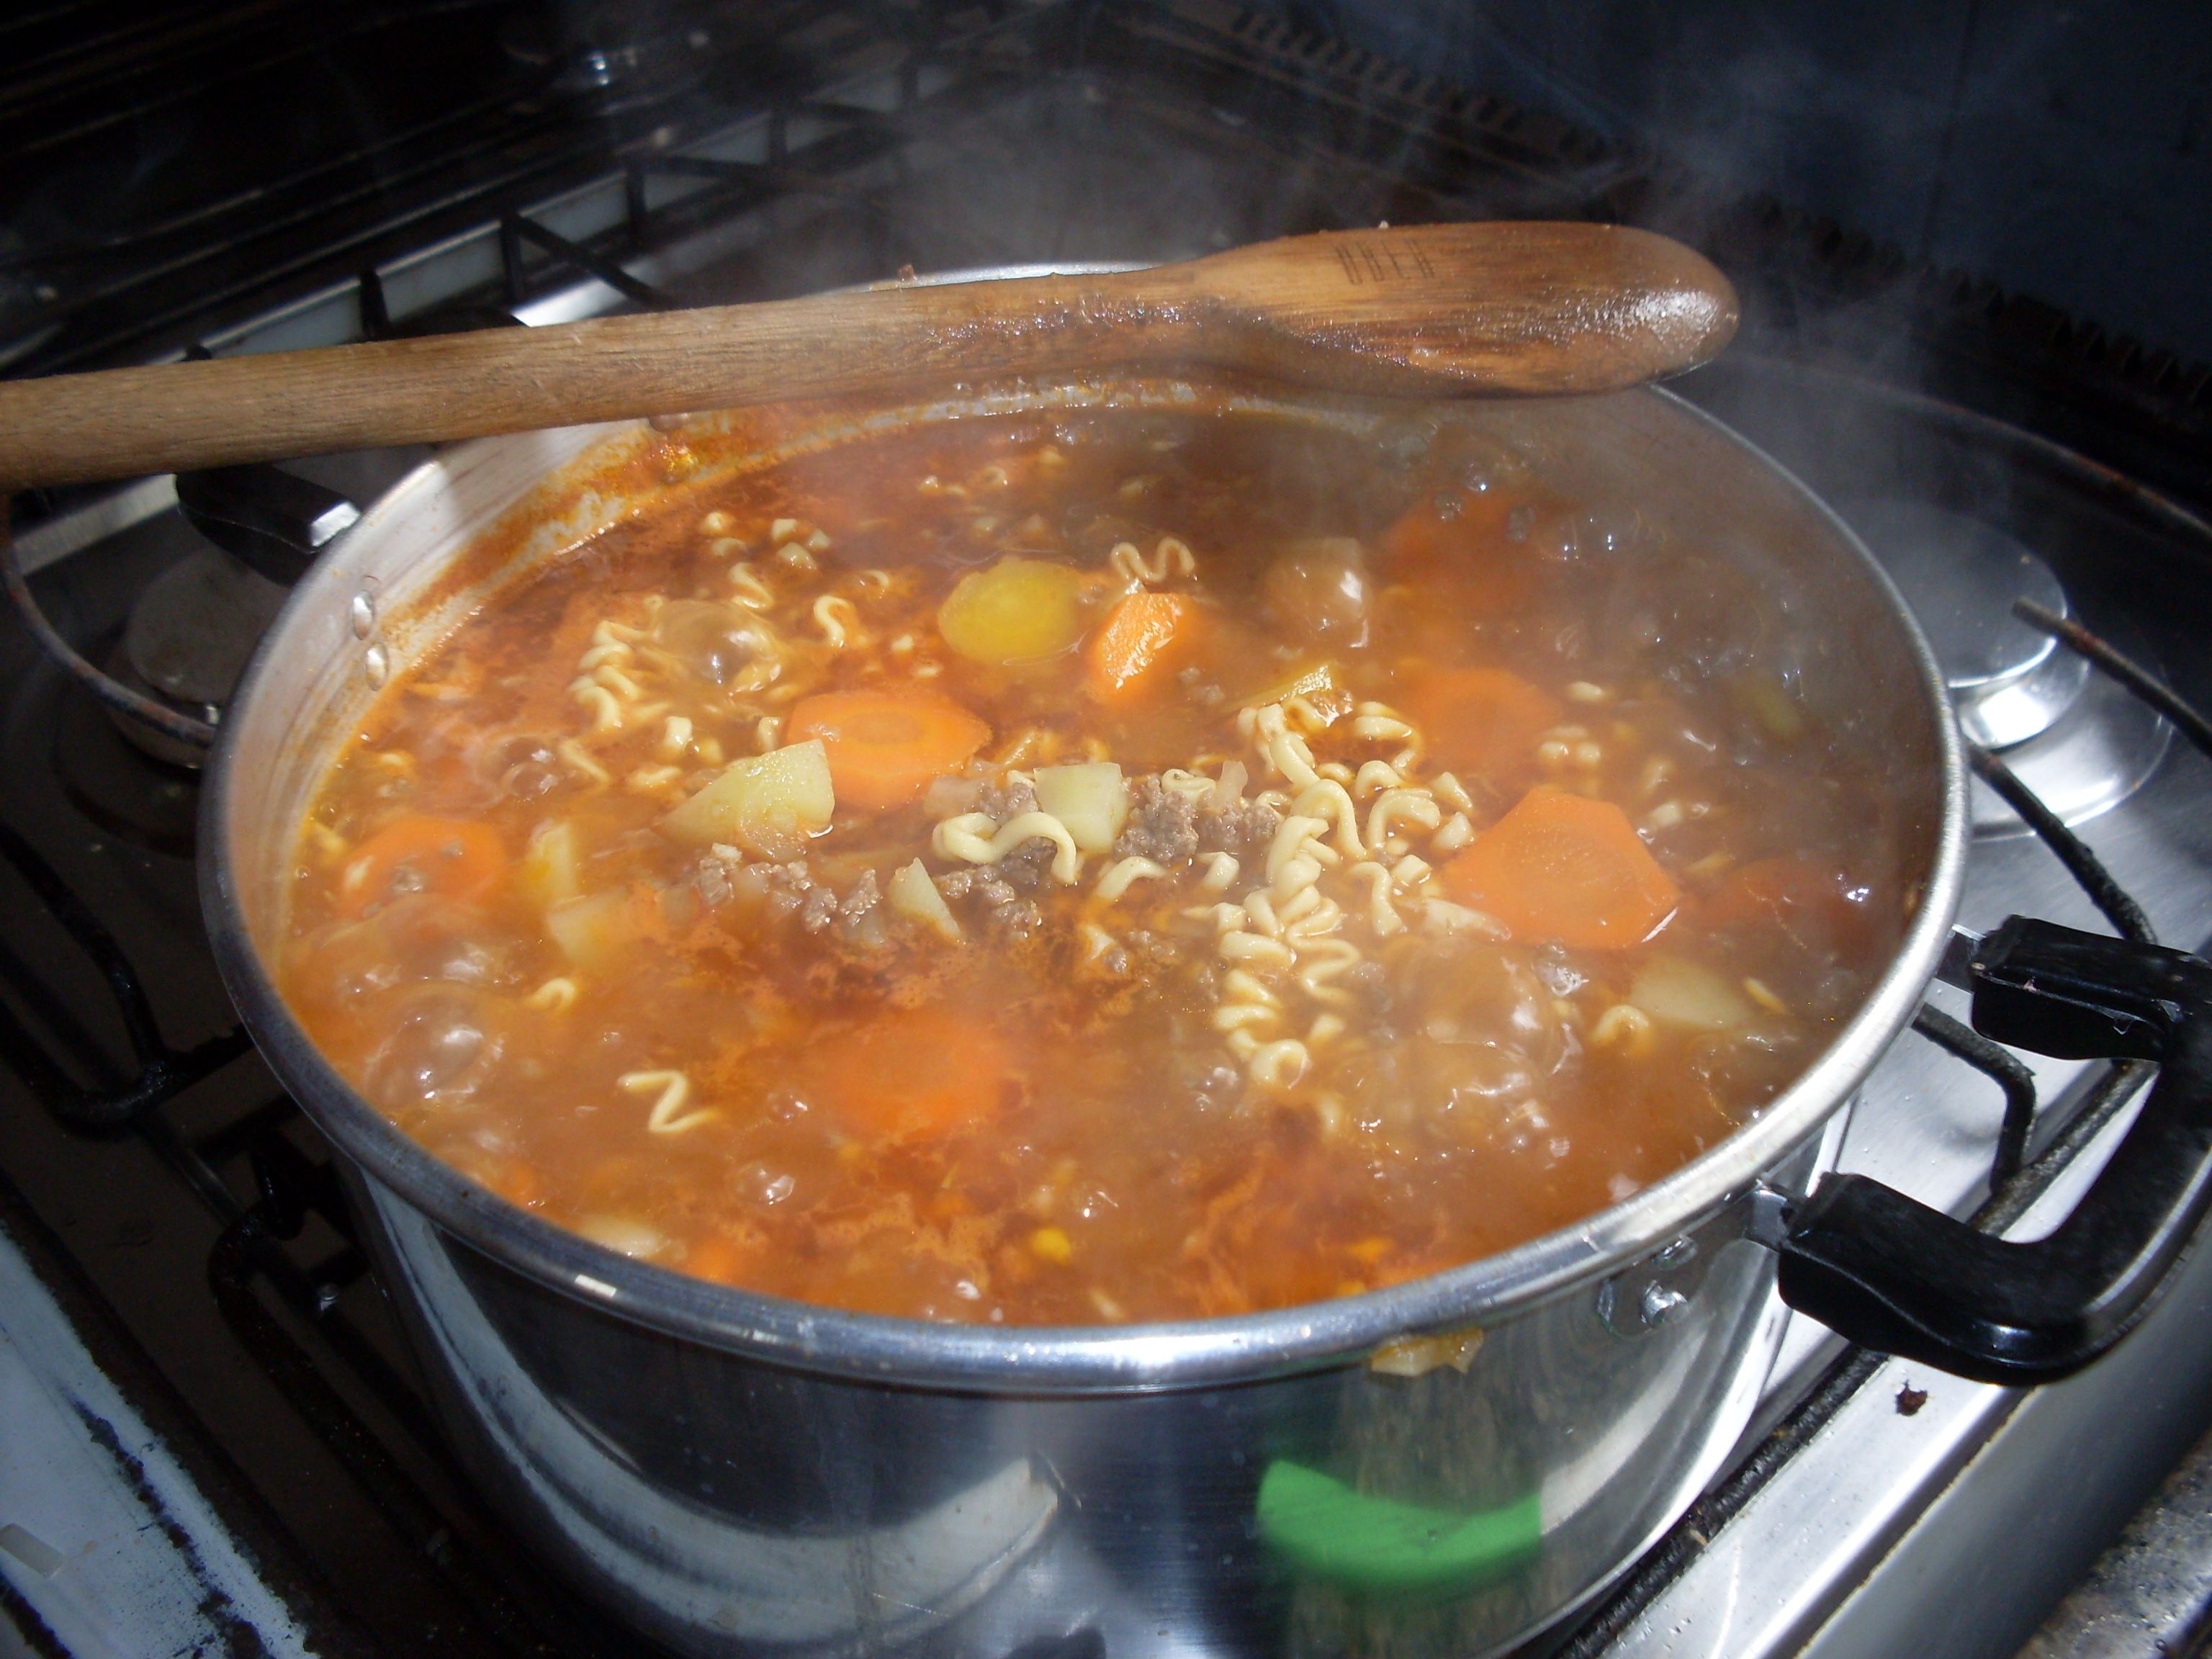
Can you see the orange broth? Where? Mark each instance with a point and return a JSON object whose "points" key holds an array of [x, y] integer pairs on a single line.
{"points": [[1471, 862]]}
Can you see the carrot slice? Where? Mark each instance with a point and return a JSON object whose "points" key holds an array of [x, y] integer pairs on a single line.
{"points": [[1423, 535], [1142, 639], [1483, 720], [453, 858], [885, 747], [1469, 555], [716, 1257], [1565, 867], [914, 1070], [1794, 893]]}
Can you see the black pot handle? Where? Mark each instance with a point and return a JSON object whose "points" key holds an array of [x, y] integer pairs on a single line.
{"points": [[1894, 1275], [275, 521]]}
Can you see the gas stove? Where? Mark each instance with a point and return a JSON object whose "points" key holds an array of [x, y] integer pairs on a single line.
{"points": [[214, 1436]]}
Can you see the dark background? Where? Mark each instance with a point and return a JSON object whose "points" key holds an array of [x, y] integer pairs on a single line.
{"points": [[2063, 151]]}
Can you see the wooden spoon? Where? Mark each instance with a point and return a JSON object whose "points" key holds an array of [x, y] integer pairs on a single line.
{"points": [[1505, 308]]}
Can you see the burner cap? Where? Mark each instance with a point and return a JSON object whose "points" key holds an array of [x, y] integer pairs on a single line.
{"points": [[188, 640], [1960, 576]]}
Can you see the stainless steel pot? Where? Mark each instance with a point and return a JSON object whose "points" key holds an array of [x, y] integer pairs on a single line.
{"points": [[735, 1474]]}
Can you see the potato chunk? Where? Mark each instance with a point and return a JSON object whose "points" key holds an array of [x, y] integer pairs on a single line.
{"points": [[766, 804], [1676, 992], [549, 872], [1018, 610], [1090, 799], [914, 895], [593, 933]]}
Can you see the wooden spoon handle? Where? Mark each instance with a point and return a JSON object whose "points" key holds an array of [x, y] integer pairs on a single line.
{"points": [[180, 417], [1486, 308]]}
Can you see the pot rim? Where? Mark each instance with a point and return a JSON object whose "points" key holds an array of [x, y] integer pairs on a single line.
{"points": [[1082, 1360]]}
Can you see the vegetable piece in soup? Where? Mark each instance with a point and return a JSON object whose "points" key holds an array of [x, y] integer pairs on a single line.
{"points": [[1101, 867]]}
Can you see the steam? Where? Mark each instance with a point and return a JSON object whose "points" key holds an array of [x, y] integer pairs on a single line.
{"points": [[2059, 152]]}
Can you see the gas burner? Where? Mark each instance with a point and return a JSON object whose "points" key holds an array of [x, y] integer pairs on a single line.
{"points": [[2104, 750], [189, 635], [606, 57], [2082, 745], [149, 804], [1960, 576]]}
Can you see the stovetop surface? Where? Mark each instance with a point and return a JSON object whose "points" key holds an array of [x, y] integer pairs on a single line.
{"points": [[1151, 139]]}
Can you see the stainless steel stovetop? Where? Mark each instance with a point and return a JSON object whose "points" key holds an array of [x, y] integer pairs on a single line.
{"points": [[208, 1437]]}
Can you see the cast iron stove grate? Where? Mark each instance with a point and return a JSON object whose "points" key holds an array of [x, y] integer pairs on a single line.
{"points": [[616, 178], [618, 198]]}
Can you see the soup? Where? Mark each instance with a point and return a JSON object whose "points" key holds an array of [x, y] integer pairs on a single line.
{"points": [[1109, 866]]}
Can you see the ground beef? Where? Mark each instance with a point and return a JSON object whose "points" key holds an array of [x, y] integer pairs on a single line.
{"points": [[1169, 827], [795, 893], [1163, 825], [711, 880], [862, 899], [1142, 968], [1004, 910], [1243, 829], [1027, 867], [819, 909], [788, 886], [999, 905], [1001, 802], [1155, 948]]}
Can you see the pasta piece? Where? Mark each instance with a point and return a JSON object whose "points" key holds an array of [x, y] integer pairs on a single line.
{"points": [[1123, 872], [1323, 961], [578, 760], [1624, 1025], [1170, 558], [1413, 806], [1278, 1065], [1222, 870], [1255, 949], [1296, 843], [555, 996], [673, 1091], [1380, 915], [973, 839], [1329, 802], [1285, 751], [747, 588], [839, 622]]}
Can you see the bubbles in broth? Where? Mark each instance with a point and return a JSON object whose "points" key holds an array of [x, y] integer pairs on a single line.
{"points": [[1109, 866]]}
